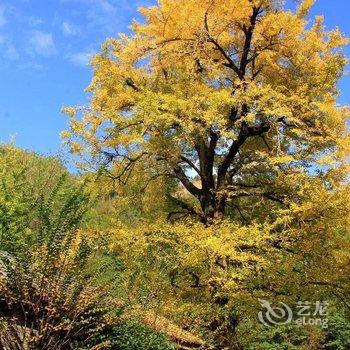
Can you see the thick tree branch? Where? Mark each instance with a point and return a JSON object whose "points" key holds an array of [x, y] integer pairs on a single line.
{"points": [[206, 155], [191, 164], [190, 187], [230, 157], [248, 41], [245, 132], [129, 82]]}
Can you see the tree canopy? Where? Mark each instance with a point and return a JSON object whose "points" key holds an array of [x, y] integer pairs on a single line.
{"points": [[240, 94]]}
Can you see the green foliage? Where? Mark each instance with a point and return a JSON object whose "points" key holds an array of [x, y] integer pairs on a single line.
{"points": [[297, 337], [26, 182], [47, 298], [128, 335], [337, 335], [281, 337]]}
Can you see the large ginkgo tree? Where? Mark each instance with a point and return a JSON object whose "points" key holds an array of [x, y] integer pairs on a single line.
{"points": [[232, 98], [230, 108]]}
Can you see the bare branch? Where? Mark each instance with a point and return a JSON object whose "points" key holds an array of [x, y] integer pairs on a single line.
{"points": [[129, 82], [184, 205], [229, 62]]}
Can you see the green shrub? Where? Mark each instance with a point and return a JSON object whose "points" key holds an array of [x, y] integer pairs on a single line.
{"points": [[128, 335], [30, 183], [337, 335], [48, 299]]}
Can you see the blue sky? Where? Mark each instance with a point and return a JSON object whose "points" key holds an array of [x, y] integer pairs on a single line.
{"points": [[45, 46]]}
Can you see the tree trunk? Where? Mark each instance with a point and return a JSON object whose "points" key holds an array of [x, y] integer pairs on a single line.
{"points": [[213, 207]]}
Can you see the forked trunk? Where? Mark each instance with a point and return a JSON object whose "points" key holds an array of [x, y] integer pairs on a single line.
{"points": [[213, 208]]}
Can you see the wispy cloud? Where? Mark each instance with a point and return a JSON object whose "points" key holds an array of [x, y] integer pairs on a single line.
{"points": [[33, 21], [8, 50], [106, 5], [81, 59], [11, 53], [70, 29], [42, 43], [106, 16], [31, 66], [2, 16]]}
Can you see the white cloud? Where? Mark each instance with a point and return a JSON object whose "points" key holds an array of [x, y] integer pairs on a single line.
{"points": [[42, 43], [2, 16], [104, 16], [70, 29], [106, 6], [31, 66], [11, 53], [8, 50], [34, 21], [81, 59]]}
